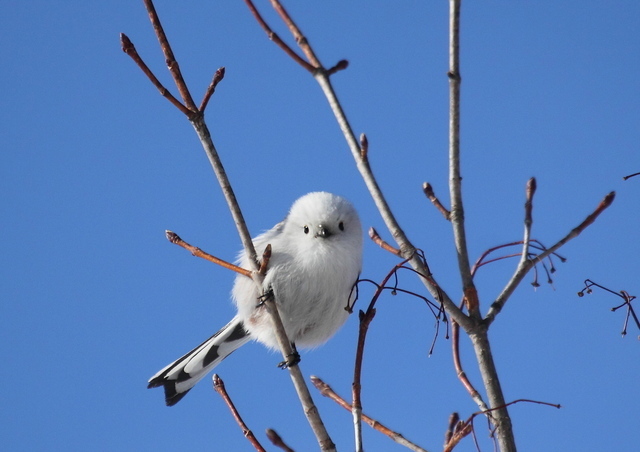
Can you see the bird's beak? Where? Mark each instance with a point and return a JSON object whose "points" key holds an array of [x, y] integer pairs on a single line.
{"points": [[322, 232]]}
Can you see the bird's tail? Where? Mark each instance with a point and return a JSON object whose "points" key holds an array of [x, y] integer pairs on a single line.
{"points": [[182, 375]]}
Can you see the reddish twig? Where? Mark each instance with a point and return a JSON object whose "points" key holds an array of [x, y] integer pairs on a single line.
{"points": [[373, 235], [217, 78], [297, 34], [356, 388], [218, 385], [460, 373], [175, 238], [524, 267], [428, 191], [275, 38], [277, 441], [129, 49], [327, 391], [170, 59]]}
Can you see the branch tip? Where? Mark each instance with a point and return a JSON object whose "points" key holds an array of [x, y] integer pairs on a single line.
{"points": [[364, 146], [339, 66], [373, 235], [431, 196], [172, 236], [532, 185]]}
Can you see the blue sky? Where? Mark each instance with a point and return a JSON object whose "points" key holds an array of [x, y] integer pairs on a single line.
{"points": [[96, 165]]}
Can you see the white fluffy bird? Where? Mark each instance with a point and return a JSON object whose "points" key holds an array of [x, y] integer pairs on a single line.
{"points": [[315, 262]]}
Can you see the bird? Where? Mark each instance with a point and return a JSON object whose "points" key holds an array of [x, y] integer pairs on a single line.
{"points": [[315, 263]]}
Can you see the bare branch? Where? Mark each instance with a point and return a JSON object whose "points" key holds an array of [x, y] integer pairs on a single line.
{"points": [[462, 376], [275, 38], [524, 267], [373, 235], [221, 175], [197, 120], [309, 407], [406, 247], [170, 59], [297, 34], [175, 238], [129, 49], [218, 385], [428, 191], [327, 391], [455, 178], [631, 175], [217, 78], [322, 77]]}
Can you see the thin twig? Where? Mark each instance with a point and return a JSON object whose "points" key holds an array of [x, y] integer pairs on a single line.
{"points": [[524, 268], [631, 175], [170, 59], [275, 38], [327, 391], [217, 78], [218, 385], [277, 441], [460, 373], [129, 49], [310, 409], [406, 247], [175, 238], [297, 34], [373, 235], [428, 191], [356, 388]]}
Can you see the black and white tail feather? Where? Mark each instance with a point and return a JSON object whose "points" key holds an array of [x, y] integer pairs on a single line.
{"points": [[315, 262], [183, 374]]}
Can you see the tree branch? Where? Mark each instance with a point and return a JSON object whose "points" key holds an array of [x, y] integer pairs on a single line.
{"points": [[524, 266], [456, 215], [170, 59], [327, 391], [177, 240], [218, 385], [196, 117]]}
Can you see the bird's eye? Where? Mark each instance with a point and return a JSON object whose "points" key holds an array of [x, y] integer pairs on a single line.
{"points": [[341, 226], [306, 229]]}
